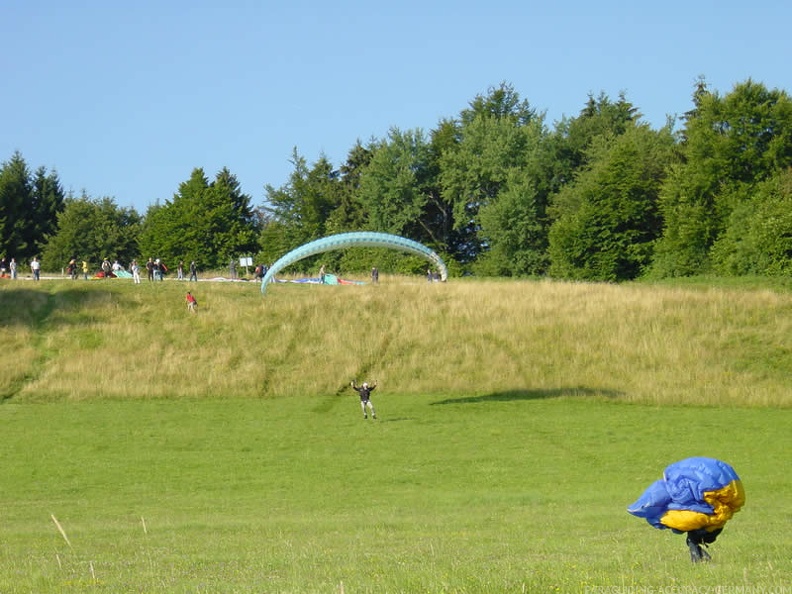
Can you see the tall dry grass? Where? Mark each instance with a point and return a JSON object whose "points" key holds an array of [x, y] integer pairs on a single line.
{"points": [[641, 343]]}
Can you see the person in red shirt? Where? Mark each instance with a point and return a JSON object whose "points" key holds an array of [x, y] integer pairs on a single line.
{"points": [[191, 302]]}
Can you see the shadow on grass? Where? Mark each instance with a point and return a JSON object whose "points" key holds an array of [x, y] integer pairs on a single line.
{"points": [[513, 395], [47, 304]]}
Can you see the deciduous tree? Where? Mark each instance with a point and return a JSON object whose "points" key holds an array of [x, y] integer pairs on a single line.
{"points": [[92, 230], [608, 219], [730, 144]]}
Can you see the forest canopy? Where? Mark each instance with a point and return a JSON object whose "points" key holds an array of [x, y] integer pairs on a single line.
{"points": [[495, 190]]}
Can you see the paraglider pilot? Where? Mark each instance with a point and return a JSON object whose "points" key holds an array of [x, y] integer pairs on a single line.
{"points": [[365, 397], [696, 496]]}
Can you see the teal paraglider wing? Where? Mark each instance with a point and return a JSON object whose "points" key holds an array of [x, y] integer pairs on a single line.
{"points": [[355, 239]]}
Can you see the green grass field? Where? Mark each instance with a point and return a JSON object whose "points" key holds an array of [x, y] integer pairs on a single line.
{"points": [[221, 452]]}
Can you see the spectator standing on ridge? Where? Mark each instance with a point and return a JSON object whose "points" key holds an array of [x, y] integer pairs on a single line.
{"points": [[135, 272], [35, 267]]}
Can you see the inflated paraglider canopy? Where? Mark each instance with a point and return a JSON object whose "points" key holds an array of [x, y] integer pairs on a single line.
{"points": [[696, 496], [355, 239]]}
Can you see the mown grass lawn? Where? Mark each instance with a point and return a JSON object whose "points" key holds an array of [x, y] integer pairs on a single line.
{"points": [[505, 492]]}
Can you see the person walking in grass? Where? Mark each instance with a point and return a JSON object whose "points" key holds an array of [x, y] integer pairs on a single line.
{"points": [[365, 398], [192, 304]]}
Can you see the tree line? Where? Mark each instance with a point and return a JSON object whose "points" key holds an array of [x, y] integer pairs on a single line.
{"points": [[496, 191]]}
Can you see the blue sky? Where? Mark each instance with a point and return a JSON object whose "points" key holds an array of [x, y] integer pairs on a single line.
{"points": [[125, 99]]}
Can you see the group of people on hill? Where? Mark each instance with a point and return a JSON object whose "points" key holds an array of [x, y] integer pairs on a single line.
{"points": [[9, 268], [155, 268]]}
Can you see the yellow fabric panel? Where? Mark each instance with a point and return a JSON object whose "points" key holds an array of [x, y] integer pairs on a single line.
{"points": [[684, 520], [725, 502]]}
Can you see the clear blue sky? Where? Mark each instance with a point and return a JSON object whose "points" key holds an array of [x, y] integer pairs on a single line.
{"points": [[125, 99]]}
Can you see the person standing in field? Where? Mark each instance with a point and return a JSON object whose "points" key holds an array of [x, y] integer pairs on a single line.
{"points": [[135, 272], [192, 304], [85, 269], [193, 271], [35, 268], [365, 398], [157, 270], [12, 266]]}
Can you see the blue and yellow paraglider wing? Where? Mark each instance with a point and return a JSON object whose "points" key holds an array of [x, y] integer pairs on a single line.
{"points": [[653, 504], [695, 493]]}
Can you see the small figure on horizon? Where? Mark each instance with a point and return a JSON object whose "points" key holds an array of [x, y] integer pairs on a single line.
{"points": [[135, 272], [35, 268]]}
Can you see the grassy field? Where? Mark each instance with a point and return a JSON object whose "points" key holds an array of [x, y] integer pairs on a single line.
{"points": [[638, 343], [222, 452]]}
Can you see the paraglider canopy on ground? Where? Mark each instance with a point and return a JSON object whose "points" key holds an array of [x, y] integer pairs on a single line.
{"points": [[355, 239]]}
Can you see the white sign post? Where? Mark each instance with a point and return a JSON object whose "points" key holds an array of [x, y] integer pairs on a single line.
{"points": [[246, 261]]}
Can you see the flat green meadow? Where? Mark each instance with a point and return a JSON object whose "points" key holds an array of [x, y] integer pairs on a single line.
{"points": [[145, 449]]}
